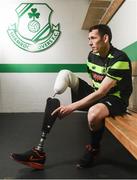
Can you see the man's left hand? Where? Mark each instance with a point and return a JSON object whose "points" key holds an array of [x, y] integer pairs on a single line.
{"points": [[63, 111]]}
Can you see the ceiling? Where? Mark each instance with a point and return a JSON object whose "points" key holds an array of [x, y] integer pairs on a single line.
{"points": [[100, 11]]}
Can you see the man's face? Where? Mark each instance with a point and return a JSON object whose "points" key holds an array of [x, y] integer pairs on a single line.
{"points": [[96, 42]]}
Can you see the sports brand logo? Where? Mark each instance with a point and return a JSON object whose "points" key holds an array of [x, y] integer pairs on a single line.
{"points": [[34, 32]]}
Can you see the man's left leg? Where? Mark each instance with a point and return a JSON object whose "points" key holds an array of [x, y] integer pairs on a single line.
{"points": [[35, 157]]}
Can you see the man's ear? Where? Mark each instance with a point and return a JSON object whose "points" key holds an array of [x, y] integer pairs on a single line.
{"points": [[106, 38]]}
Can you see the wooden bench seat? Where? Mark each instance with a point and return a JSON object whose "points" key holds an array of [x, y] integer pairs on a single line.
{"points": [[124, 128]]}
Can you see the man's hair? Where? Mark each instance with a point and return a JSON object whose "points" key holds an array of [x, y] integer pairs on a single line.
{"points": [[102, 29]]}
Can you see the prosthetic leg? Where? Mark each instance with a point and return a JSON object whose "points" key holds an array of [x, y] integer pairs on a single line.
{"points": [[51, 105], [64, 79], [36, 157]]}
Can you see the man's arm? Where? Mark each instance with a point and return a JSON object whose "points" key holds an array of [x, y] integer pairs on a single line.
{"points": [[106, 85]]}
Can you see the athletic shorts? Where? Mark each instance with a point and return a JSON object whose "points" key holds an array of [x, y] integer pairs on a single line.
{"points": [[114, 104]]}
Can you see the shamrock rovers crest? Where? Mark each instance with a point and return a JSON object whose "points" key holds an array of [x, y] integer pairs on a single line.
{"points": [[34, 32]]}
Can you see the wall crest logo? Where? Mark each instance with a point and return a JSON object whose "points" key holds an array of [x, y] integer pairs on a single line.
{"points": [[34, 32]]}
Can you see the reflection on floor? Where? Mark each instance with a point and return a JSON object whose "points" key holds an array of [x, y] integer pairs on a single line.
{"points": [[64, 146]]}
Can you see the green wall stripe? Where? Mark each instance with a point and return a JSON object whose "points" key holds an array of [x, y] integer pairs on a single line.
{"points": [[131, 51], [41, 68]]}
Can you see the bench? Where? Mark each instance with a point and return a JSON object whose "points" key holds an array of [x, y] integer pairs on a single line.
{"points": [[124, 128]]}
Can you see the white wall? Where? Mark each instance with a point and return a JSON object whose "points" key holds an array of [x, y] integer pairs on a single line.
{"points": [[124, 29], [124, 24], [27, 92]]}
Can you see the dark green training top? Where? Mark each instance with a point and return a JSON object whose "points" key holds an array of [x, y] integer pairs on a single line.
{"points": [[116, 66]]}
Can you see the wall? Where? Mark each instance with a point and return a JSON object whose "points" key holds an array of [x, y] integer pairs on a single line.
{"points": [[124, 29], [22, 91], [25, 91], [124, 24]]}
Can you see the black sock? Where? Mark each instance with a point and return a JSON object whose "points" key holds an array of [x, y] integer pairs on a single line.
{"points": [[96, 137]]}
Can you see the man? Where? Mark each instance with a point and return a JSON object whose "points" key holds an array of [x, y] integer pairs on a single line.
{"points": [[110, 72]]}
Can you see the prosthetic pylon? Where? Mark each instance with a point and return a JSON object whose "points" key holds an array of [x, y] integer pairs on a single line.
{"points": [[48, 121]]}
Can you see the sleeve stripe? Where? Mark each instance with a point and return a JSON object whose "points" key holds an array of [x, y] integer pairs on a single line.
{"points": [[114, 77], [120, 65]]}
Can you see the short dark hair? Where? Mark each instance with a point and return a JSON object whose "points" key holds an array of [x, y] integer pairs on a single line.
{"points": [[102, 29]]}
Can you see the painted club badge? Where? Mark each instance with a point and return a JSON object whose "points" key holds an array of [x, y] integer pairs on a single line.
{"points": [[34, 32]]}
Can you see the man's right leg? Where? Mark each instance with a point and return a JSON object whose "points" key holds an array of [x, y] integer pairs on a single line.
{"points": [[112, 106]]}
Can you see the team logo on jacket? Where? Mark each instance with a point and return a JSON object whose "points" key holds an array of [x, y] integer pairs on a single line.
{"points": [[97, 77], [34, 31]]}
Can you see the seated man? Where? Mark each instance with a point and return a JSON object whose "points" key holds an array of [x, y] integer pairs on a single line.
{"points": [[110, 72]]}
